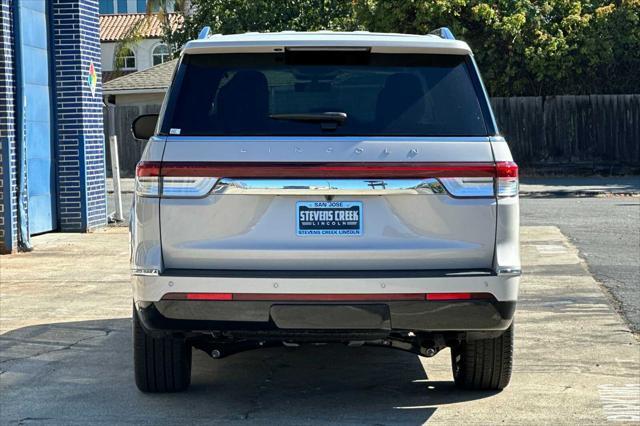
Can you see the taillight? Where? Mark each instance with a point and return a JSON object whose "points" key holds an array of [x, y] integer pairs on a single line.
{"points": [[469, 186], [151, 181], [147, 179], [185, 186], [194, 180], [263, 170], [507, 178], [503, 183]]}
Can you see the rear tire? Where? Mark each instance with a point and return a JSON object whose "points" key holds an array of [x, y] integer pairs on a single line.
{"points": [[160, 364], [484, 364]]}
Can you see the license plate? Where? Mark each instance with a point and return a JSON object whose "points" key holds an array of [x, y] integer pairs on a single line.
{"points": [[329, 218]]}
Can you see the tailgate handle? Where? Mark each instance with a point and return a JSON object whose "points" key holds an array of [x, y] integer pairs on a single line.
{"points": [[328, 186]]}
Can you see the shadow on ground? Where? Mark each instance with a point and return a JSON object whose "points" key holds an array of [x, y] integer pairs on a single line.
{"points": [[81, 372]]}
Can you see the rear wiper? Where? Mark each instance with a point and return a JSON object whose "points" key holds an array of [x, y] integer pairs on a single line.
{"points": [[328, 120]]}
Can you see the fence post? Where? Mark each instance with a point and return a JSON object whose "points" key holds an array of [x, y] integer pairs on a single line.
{"points": [[115, 166]]}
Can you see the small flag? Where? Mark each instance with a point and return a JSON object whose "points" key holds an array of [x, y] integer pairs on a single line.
{"points": [[92, 79]]}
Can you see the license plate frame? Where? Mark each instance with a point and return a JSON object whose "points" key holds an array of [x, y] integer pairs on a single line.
{"points": [[348, 223]]}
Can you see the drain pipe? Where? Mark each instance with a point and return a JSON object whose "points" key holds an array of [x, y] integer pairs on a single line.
{"points": [[24, 236], [116, 216]]}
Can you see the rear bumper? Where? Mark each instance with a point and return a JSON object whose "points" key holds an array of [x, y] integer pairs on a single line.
{"points": [[503, 287], [277, 317]]}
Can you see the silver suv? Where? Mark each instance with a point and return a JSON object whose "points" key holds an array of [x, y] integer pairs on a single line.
{"points": [[324, 187]]}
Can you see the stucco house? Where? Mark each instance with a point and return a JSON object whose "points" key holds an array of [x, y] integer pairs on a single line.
{"points": [[148, 51], [145, 87]]}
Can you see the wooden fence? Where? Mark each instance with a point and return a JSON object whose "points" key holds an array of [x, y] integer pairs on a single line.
{"points": [[572, 132], [565, 134], [129, 149]]}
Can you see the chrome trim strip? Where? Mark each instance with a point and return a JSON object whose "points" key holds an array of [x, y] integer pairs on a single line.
{"points": [[141, 272], [330, 274], [328, 186], [510, 271]]}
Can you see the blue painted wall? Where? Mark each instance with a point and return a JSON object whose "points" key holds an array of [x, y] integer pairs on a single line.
{"points": [[8, 202], [34, 114], [63, 122]]}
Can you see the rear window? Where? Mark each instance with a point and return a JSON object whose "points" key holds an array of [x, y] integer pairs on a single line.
{"points": [[324, 94]]}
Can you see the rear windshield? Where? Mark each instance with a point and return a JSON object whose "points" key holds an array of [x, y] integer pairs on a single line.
{"points": [[324, 94]]}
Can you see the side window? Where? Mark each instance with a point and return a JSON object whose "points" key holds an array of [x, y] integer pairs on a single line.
{"points": [[126, 60], [106, 6], [160, 54]]}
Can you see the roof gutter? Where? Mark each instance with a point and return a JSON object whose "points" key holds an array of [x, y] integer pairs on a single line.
{"points": [[134, 91]]}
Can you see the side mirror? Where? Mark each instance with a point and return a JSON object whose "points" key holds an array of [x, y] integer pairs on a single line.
{"points": [[144, 126]]}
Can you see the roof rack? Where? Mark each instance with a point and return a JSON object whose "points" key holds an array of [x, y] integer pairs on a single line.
{"points": [[443, 32]]}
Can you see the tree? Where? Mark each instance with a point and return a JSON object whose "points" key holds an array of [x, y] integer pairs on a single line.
{"points": [[530, 47], [523, 47], [161, 9], [164, 11], [239, 16]]}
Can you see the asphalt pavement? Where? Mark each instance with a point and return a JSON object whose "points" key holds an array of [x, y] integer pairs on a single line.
{"points": [[606, 231]]}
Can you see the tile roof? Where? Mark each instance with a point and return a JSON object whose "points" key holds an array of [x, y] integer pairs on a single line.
{"points": [[115, 27], [154, 79], [110, 75]]}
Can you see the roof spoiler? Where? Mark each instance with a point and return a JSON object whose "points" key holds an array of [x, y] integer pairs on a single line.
{"points": [[443, 32]]}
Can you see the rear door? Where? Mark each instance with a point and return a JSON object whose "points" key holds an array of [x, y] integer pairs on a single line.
{"points": [[327, 161]]}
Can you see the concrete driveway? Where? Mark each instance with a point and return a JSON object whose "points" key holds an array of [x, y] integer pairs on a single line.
{"points": [[65, 355]]}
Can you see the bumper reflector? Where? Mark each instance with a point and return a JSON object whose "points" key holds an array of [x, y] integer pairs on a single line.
{"points": [[458, 296], [448, 296], [208, 296], [338, 297]]}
